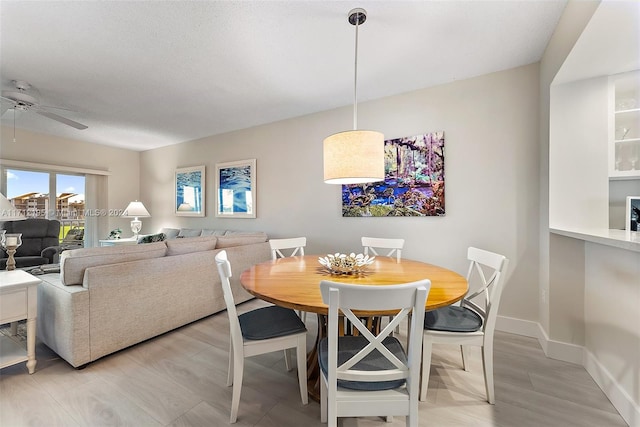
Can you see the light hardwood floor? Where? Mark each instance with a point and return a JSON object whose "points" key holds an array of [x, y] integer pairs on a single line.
{"points": [[178, 379]]}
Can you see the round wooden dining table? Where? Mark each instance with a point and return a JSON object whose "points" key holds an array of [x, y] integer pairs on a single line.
{"points": [[294, 282]]}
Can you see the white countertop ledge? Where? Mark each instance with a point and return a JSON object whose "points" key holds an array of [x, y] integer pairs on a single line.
{"points": [[629, 240]]}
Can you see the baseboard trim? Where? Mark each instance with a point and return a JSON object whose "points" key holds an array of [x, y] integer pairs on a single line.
{"points": [[512, 325], [572, 353], [554, 349], [617, 395]]}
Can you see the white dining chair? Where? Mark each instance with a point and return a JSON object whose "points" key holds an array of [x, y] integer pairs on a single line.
{"points": [[370, 244], [371, 373], [263, 330], [296, 245], [471, 323]]}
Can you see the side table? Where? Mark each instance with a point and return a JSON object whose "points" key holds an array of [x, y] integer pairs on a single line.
{"points": [[18, 301], [118, 242]]}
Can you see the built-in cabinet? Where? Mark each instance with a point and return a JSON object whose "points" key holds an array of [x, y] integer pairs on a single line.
{"points": [[624, 145]]}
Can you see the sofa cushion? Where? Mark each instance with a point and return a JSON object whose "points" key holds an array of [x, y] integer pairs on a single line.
{"points": [[208, 232], [190, 232], [190, 244], [228, 241], [240, 232], [37, 234], [74, 262], [24, 261], [171, 233]]}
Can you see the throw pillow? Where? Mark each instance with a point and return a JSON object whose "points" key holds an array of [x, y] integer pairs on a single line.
{"points": [[190, 232], [170, 233], [160, 237]]}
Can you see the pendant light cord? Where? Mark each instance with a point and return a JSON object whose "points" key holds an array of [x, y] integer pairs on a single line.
{"points": [[355, 82]]}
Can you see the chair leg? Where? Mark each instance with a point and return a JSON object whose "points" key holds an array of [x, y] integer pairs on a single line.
{"points": [[464, 350], [287, 359], [487, 363], [332, 410], [230, 370], [427, 347], [237, 388], [301, 355], [411, 419], [323, 400]]}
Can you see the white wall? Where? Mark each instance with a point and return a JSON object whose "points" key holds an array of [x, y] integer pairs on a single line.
{"points": [[123, 182], [571, 24], [491, 165], [594, 289], [612, 317], [578, 165]]}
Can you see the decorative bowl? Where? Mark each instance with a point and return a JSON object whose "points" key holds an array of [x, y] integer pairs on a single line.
{"points": [[346, 264]]}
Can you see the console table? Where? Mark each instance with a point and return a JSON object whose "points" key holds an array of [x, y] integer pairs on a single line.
{"points": [[18, 301], [118, 242]]}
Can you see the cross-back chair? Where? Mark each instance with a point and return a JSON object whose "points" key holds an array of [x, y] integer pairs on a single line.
{"points": [[260, 331], [296, 246], [370, 245], [371, 373], [471, 323]]}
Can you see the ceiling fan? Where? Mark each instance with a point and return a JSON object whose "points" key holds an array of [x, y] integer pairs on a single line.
{"points": [[24, 97]]}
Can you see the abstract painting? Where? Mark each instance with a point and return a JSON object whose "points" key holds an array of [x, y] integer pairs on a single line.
{"points": [[236, 189], [413, 183], [189, 185]]}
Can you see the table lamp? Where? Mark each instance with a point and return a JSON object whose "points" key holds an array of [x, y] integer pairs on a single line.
{"points": [[136, 210], [10, 242]]}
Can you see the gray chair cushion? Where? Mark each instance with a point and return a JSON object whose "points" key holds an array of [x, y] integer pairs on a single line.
{"points": [[452, 319], [270, 322], [348, 346]]}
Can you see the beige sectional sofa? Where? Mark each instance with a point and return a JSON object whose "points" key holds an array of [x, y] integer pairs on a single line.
{"points": [[109, 298]]}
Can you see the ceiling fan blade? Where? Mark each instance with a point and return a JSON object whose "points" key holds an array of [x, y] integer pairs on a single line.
{"points": [[4, 108], [7, 100], [48, 107], [61, 119]]}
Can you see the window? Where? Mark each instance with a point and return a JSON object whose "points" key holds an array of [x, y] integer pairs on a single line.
{"points": [[30, 192]]}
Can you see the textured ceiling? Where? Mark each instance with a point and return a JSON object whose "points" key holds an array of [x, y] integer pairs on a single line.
{"points": [[146, 74]]}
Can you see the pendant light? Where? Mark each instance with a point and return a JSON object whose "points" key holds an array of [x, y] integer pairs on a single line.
{"points": [[355, 156]]}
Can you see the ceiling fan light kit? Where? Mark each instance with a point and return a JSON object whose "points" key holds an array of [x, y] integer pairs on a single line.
{"points": [[24, 98], [356, 156]]}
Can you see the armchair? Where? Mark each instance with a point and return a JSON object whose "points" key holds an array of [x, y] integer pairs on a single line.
{"points": [[40, 240]]}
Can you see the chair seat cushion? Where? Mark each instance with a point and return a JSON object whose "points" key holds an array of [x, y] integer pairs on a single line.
{"points": [[270, 322], [348, 346], [452, 319]]}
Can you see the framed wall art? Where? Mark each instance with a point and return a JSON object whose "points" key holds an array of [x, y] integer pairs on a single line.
{"points": [[632, 221], [236, 189], [190, 191], [413, 183]]}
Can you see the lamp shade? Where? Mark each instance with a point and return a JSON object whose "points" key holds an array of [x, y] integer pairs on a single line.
{"points": [[8, 212], [135, 209], [354, 157]]}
